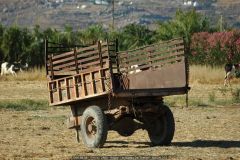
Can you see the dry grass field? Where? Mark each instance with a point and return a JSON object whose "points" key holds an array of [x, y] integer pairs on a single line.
{"points": [[208, 129]]}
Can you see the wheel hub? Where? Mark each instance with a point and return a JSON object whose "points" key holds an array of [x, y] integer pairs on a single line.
{"points": [[91, 127]]}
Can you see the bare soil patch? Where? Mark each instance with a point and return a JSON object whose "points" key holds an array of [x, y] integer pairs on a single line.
{"points": [[201, 132]]}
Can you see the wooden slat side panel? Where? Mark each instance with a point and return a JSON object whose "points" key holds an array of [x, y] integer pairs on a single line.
{"points": [[93, 91], [87, 48], [51, 90], [150, 57], [79, 86], [153, 60], [61, 55], [90, 52], [69, 58], [151, 47], [105, 67], [156, 52], [84, 67], [83, 93], [158, 64], [91, 61], [97, 82], [65, 63], [78, 83]]}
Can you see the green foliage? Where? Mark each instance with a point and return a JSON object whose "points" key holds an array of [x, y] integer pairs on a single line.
{"points": [[28, 45], [1, 39], [184, 24], [15, 44], [35, 54], [133, 36], [215, 48], [92, 34], [12, 43]]}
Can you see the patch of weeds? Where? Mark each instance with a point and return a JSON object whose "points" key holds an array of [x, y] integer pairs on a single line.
{"points": [[60, 117], [223, 102], [175, 101], [223, 90], [211, 97], [236, 95], [198, 103], [25, 104], [170, 103]]}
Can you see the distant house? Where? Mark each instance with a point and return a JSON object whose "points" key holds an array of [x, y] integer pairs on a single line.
{"points": [[101, 2], [190, 3], [195, 4]]}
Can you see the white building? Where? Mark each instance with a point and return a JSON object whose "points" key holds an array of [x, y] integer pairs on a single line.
{"points": [[190, 3], [101, 2]]}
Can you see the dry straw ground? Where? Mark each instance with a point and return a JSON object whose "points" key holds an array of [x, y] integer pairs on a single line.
{"points": [[208, 129]]}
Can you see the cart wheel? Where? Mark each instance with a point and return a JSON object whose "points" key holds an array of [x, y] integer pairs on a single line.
{"points": [[94, 127], [161, 129]]}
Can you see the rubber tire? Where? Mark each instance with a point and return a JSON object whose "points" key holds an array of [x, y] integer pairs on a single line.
{"points": [[163, 137], [101, 124]]}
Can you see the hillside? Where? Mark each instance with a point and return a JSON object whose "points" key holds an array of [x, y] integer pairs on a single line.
{"points": [[82, 13]]}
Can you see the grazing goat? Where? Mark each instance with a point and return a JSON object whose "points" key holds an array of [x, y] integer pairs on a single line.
{"points": [[24, 67], [231, 72], [7, 68]]}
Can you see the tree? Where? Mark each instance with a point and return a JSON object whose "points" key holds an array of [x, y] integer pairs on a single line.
{"points": [[52, 35], [1, 39], [15, 43], [92, 34], [36, 56], [67, 37], [135, 35], [27, 40], [215, 48], [184, 24]]}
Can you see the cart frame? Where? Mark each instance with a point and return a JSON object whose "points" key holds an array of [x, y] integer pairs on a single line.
{"points": [[122, 91]]}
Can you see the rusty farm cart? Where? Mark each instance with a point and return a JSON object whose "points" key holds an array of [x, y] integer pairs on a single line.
{"points": [[121, 91]]}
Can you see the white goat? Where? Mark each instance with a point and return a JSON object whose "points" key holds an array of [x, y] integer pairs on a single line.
{"points": [[7, 68]]}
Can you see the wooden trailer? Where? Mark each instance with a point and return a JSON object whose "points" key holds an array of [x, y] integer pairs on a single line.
{"points": [[122, 91]]}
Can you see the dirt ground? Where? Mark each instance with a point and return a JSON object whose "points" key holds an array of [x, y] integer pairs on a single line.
{"points": [[201, 133]]}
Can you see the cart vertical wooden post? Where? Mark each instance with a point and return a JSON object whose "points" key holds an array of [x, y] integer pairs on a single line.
{"points": [[101, 65], [76, 60], [46, 56]]}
